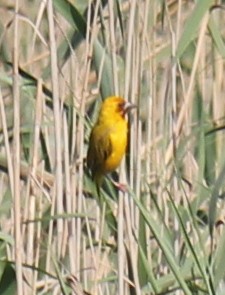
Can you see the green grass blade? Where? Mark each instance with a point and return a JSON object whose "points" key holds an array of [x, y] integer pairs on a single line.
{"points": [[216, 36], [164, 246], [192, 25]]}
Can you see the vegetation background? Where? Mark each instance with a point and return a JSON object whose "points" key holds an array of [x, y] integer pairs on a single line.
{"points": [[166, 235]]}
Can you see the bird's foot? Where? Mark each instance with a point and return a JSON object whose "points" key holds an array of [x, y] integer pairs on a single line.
{"points": [[120, 186]]}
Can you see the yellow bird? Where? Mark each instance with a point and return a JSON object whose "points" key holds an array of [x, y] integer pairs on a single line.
{"points": [[108, 139]]}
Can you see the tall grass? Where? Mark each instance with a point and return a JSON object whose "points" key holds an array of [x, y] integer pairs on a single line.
{"points": [[59, 60]]}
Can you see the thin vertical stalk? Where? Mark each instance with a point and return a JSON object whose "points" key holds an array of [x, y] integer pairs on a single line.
{"points": [[120, 238], [90, 36], [188, 94], [113, 46], [120, 241], [129, 47], [57, 124], [6, 141], [32, 230], [16, 156]]}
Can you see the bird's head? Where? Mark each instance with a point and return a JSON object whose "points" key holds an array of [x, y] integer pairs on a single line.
{"points": [[117, 105]]}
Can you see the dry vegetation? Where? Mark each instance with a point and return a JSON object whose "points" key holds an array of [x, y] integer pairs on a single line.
{"points": [[58, 59]]}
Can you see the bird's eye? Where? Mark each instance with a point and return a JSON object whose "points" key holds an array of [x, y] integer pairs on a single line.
{"points": [[121, 106]]}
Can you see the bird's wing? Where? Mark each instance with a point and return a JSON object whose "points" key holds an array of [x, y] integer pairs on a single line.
{"points": [[100, 148]]}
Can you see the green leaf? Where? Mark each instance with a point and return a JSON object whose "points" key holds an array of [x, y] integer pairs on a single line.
{"points": [[72, 15], [164, 245], [8, 279], [219, 260], [216, 36], [214, 198], [192, 25], [103, 65]]}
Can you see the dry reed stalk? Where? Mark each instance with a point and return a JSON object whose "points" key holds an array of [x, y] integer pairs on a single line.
{"points": [[189, 94], [8, 161], [113, 46], [120, 238], [57, 127], [33, 193], [16, 158]]}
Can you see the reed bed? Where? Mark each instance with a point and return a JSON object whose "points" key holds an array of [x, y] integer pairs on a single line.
{"points": [[58, 60]]}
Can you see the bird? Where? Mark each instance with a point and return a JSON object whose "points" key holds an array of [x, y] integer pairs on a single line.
{"points": [[108, 138]]}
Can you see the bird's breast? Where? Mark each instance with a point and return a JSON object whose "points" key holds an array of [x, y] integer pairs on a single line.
{"points": [[118, 138]]}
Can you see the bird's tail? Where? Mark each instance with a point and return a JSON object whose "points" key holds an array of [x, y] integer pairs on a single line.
{"points": [[98, 179]]}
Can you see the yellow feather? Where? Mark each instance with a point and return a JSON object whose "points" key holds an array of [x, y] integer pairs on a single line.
{"points": [[108, 139]]}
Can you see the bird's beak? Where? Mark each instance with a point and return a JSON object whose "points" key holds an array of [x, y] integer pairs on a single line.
{"points": [[129, 106]]}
